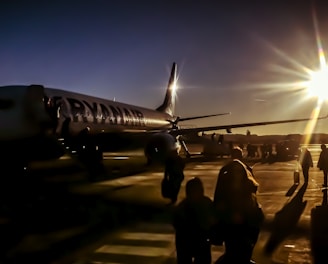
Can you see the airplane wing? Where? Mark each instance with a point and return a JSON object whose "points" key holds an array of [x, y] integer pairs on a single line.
{"points": [[228, 128], [178, 119], [198, 117]]}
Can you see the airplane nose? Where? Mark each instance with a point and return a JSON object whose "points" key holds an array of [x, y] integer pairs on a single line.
{"points": [[35, 107], [22, 112]]}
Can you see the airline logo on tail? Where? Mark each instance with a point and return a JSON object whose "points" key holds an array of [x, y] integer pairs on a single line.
{"points": [[169, 100]]}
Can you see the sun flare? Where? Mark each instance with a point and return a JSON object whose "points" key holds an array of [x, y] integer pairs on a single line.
{"points": [[317, 84], [301, 82]]}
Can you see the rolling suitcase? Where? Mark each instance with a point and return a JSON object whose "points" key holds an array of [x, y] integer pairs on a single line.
{"points": [[296, 177], [297, 173]]}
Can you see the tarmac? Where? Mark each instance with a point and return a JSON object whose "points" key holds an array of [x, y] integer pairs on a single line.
{"points": [[285, 236]]}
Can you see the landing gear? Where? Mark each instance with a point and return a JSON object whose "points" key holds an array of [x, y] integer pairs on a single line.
{"points": [[184, 146]]}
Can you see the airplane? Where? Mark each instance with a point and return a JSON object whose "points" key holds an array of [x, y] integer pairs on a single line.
{"points": [[41, 123]]}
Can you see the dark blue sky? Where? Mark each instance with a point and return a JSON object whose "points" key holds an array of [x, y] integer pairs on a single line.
{"points": [[225, 50]]}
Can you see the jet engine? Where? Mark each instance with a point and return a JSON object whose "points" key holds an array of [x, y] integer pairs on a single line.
{"points": [[159, 147]]}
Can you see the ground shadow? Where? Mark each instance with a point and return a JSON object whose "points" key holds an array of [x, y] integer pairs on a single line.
{"points": [[291, 190], [44, 206], [285, 220]]}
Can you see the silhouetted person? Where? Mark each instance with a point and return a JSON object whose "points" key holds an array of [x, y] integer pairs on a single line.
{"points": [[306, 162], [236, 202], [323, 163], [192, 220], [174, 166], [90, 155], [213, 137]]}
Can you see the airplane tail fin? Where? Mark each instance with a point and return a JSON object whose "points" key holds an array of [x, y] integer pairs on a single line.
{"points": [[168, 104]]}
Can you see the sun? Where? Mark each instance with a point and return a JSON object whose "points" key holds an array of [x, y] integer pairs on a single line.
{"points": [[307, 83], [313, 82], [318, 80], [317, 84]]}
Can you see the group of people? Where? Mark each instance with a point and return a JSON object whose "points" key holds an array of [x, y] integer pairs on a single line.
{"points": [[233, 218], [306, 163]]}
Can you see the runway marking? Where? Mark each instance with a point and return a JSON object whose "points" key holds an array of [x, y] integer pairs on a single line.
{"points": [[271, 193], [135, 250], [130, 180], [147, 236], [97, 262], [145, 243]]}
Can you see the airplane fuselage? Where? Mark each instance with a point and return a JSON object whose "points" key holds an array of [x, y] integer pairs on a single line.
{"points": [[104, 116], [37, 121]]}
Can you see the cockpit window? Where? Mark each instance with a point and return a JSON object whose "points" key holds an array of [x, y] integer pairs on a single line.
{"points": [[6, 104]]}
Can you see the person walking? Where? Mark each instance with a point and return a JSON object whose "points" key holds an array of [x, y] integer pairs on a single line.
{"points": [[323, 163], [173, 175], [241, 215], [193, 218], [306, 162]]}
